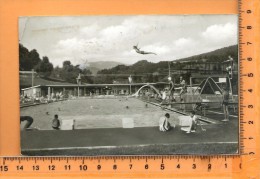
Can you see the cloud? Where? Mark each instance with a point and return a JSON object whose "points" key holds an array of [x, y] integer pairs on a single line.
{"points": [[183, 42], [88, 31], [157, 48], [221, 33], [93, 41], [69, 47], [101, 38], [73, 44], [128, 31]]}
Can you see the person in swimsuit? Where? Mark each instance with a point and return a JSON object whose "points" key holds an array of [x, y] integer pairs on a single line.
{"points": [[164, 125], [225, 104], [56, 122]]}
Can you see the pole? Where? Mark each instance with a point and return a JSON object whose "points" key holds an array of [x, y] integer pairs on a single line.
{"points": [[49, 93], [32, 76], [78, 90], [130, 82], [79, 82], [169, 68]]}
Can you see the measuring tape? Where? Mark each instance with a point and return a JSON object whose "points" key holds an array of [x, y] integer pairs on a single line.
{"points": [[170, 165]]}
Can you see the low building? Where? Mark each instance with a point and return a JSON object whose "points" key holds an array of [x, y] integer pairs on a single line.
{"points": [[87, 89]]}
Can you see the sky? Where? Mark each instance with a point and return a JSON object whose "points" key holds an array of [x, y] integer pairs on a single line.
{"points": [[84, 39]]}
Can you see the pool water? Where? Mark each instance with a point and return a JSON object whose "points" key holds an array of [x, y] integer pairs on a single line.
{"points": [[120, 112]]}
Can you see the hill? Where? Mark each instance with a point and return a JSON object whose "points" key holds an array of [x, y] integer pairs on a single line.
{"points": [[94, 67], [104, 64], [26, 80], [144, 71], [214, 56]]}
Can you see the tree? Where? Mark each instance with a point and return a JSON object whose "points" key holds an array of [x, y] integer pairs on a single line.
{"points": [[56, 72], [66, 63], [29, 60], [68, 73], [24, 63], [86, 77], [44, 67], [34, 58]]}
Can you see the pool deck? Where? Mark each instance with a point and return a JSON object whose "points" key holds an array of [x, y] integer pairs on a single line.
{"points": [[132, 141]]}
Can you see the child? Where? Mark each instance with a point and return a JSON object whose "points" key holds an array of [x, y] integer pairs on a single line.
{"points": [[56, 122], [195, 123], [164, 125]]}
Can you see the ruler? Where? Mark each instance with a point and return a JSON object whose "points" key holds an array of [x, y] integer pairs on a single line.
{"points": [[121, 164], [244, 164]]}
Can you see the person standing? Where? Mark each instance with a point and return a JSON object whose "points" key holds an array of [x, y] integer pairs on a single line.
{"points": [[171, 91], [225, 104], [183, 86]]}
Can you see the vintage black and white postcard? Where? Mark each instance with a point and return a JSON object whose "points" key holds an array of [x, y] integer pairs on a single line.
{"points": [[129, 85]]}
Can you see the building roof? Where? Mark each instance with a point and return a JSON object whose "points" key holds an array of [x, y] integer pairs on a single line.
{"points": [[27, 72], [93, 85], [26, 81]]}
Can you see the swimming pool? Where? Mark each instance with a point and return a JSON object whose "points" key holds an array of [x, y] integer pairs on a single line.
{"points": [[117, 112]]}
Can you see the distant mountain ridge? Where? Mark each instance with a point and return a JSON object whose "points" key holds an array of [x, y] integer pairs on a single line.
{"points": [[94, 67], [145, 66], [215, 54], [145, 71]]}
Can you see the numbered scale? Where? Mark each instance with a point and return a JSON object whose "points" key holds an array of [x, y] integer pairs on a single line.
{"points": [[169, 165], [123, 164]]}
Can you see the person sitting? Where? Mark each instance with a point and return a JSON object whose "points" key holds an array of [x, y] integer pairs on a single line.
{"points": [[195, 122], [56, 122], [164, 125]]}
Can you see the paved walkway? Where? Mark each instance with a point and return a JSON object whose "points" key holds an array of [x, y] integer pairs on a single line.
{"points": [[220, 139]]}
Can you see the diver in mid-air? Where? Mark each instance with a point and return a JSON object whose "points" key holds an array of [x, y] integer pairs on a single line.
{"points": [[135, 47]]}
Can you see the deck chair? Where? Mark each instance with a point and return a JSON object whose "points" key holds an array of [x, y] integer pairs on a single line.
{"points": [[185, 122]]}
